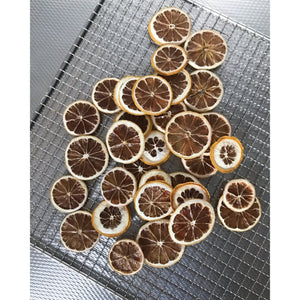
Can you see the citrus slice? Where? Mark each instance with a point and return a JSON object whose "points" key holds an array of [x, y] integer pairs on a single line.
{"points": [[77, 232], [144, 122], [103, 95], [126, 257], [192, 222], [170, 25], [86, 157], [154, 175], [160, 251], [239, 194], [116, 93], [118, 186], [206, 49], [226, 154], [81, 118], [152, 95], [206, 92], [200, 167], [152, 200], [156, 150], [68, 194], [162, 120], [188, 134], [187, 191], [182, 177], [125, 141], [111, 221], [169, 59], [239, 221]]}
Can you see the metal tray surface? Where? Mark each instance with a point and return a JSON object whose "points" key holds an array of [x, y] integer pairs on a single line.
{"points": [[115, 43]]}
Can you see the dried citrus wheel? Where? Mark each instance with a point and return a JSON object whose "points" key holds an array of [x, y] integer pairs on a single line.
{"points": [[182, 177], [188, 134], [188, 191], [126, 257], [152, 200], [103, 95], [206, 92], [86, 157], [206, 49], [116, 93], [156, 150], [160, 251], [170, 25], [125, 141], [77, 232], [169, 59], [239, 221], [192, 222], [81, 117], [118, 186], [239, 194], [226, 154], [144, 122], [201, 166], [154, 175], [152, 95], [68, 194], [162, 120], [111, 221]]}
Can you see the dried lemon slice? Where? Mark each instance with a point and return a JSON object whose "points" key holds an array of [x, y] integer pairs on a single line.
{"points": [[182, 177], [154, 175]]}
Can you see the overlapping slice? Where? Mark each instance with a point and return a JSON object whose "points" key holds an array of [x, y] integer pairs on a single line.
{"points": [[182, 177], [154, 175], [159, 249], [192, 222], [111, 221], [118, 186], [81, 118], [116, 93], [206, 49], [125, 141], [86, 157], [152, 200]]}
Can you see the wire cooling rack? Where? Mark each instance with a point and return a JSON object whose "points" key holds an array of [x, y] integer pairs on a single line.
{"points": [[115, 43]]}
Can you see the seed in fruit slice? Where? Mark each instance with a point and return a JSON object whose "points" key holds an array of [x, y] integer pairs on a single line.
{"points": [[206, 92], [154, 175], [206, 49], [226, 154], [68, 194], [160, 251], [152, 95], [126, 257], [118, 186], [192, 222], [86, 157], [103, 95], [162, 120], [239, 194], [169, 59], [188, 134], [239, 221], [111, 221], [156, 150], [201, 166], [125, 141], [144, 122], [81, 117], [116, 93], [77, 232], [188, 191], [170, 25], [182, 177], [152, 200]]}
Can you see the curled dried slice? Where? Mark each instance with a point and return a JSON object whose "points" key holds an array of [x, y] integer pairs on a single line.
{"points": [[111, 221], [154, 175], [116, 93], [160, 251], [182, 177], [126, 257]]}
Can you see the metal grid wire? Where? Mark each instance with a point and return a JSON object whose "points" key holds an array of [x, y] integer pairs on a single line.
{"points": [[115, 42]]}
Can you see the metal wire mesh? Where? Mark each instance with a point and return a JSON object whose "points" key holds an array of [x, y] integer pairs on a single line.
{"points": [[115, 42]]}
